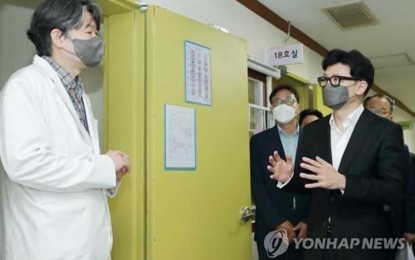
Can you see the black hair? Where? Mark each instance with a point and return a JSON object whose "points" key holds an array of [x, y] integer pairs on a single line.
{"points": [[360, 66], [286, 87], [59, 14], [308, 112]]}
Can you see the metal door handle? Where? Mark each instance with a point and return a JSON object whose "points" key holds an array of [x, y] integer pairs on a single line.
{"points": [[248, 213]]}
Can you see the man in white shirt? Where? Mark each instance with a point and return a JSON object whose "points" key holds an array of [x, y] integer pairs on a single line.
{"points": [[351, 161]]}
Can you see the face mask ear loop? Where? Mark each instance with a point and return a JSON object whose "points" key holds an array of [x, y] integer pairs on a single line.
{"points": [[70, 52]]}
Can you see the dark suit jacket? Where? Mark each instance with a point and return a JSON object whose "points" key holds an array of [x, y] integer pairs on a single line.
{"points": [[273, 205], [409, 202], [374, 170]]}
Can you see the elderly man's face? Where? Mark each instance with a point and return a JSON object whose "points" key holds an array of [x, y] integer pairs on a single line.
{"points": [[381, 107]]}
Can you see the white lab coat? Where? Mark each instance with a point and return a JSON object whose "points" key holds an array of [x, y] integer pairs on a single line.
{"points": [[54, 195]]}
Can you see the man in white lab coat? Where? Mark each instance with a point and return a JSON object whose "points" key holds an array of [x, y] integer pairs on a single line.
{"points": [[54, 192]]}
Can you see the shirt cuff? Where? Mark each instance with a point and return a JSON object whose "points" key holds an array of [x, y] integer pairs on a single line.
{"points": [[281, 185]]}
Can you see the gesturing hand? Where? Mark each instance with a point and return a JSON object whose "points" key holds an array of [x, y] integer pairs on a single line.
{"points": [[281, 170], [325, 176]]}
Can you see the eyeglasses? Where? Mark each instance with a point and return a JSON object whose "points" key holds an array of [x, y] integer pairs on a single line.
{"points": [[380, 112], [334, 80], [288, 101]]}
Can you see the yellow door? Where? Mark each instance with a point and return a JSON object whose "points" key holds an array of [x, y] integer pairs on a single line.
{"points": [[164, 213], [124, 113], [194, 214]]}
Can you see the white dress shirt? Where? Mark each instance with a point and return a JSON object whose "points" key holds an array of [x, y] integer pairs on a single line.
{"points": [[340, 137]]}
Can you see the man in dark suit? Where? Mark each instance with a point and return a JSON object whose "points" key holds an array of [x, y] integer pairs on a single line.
{"points": [[352, 161], [277, 209], [383, 106]]}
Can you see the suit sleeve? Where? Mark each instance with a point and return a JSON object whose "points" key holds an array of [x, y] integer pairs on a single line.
{"points": [[384, 186], [26, 152], [263, 203]]}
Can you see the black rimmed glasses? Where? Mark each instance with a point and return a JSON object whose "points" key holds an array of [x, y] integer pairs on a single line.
{"points": [[334, 80]]}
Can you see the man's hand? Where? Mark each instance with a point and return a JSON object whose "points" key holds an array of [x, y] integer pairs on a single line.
{"points": [[121, 173], [289, 228], [409, 237], [325, 175], [121, 162], [301, 229], [281, 170]]}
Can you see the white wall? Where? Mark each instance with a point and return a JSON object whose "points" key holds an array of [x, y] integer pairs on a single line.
{"points": [[15, 49], [241, 22]]}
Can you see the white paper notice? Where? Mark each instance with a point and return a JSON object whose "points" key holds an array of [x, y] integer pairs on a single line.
{"points": [[198, 74], [180, 137]]}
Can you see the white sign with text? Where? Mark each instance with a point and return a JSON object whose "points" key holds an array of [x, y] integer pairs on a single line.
{"points": [[285, 54]]}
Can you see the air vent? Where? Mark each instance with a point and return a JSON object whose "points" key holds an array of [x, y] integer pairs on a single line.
{"points": [[352, 15]]}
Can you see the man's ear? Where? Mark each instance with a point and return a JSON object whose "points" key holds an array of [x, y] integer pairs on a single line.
{"points": [[298, 110], [57, 37], [361, 87]]}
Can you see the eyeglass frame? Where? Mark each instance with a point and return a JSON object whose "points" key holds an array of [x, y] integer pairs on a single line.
{"points": [[391, 101], [327, 79], [288, 99], [380, 112]]}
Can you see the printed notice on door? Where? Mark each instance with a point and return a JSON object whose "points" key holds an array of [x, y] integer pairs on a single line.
{"points": [[198, 74], [180, 137]]}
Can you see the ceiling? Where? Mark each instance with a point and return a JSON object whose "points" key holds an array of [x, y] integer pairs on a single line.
{"points": [[389, 42]]}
